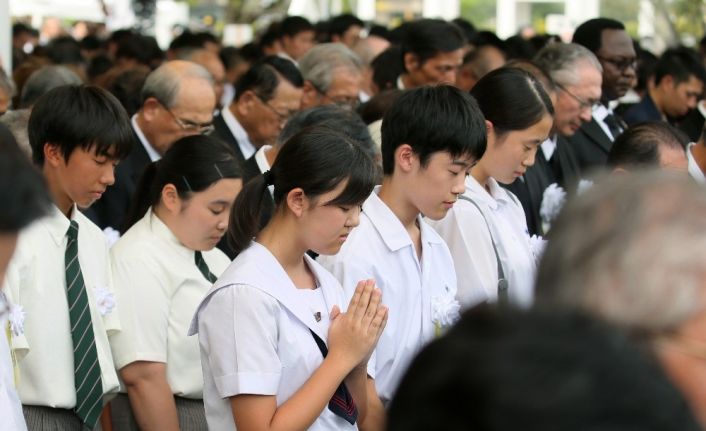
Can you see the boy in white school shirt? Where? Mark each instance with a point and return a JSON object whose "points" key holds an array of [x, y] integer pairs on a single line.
{"points": [[60, 275], [431, 137], [25, 199]]}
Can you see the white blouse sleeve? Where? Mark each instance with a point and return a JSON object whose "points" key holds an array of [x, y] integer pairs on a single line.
{"points": [[238, 332]]}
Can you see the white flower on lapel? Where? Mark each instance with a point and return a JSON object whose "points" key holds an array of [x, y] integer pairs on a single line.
{"points": [[17, 320], [552, 201], [105, 300], [584, 186], [111, 236], [537, 245], [444, 311]]}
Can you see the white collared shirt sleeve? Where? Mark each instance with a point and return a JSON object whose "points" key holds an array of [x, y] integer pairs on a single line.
{"points": [[238, 333], [145, 303]]}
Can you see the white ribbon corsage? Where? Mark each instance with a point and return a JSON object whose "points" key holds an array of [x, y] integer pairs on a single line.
{"points": [[445, 312], [17, 320], [537, 245], [105, 300], [111, 236], [552, 201]]}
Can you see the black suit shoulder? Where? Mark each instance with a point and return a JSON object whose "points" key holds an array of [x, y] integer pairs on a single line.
{"points": [[591, 146], [222, 132]]}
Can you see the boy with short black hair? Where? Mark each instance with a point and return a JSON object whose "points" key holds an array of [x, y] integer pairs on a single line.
{"points": [[60, 273], [430, 139]]}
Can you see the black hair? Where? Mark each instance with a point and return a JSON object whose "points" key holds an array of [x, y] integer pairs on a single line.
{"points": [[646, 62], [65, 50], [264, 77], [134, 48], [432, 119], [512, 99], [316, 160], [680, 63], [469, 30], [127, 85], [534, 371], [186, 39], [19, 28], [85, 116], [342, 120], [121, 34], [379, 31], [293, 25], [91, 43], [23, 193], [230, 57], [272, 34], [639, 146], [192, 164], [427, 38], [97, 66], [517, 47], [341, 23], [375, 108], [486, 37], [590, 33], [251, 52], [387, 67]]}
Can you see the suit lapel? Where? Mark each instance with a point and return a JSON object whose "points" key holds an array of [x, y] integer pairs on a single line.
{"points": [[222, 131], [595, 133]]}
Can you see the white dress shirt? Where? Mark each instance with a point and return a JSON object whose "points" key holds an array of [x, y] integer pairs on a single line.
{"points": [[254, 331], [239, 133], [158, 287], [694, 169], [381, 249], [548, 147], [10, 405], [37, 282], [466, 233], [151, 152]]}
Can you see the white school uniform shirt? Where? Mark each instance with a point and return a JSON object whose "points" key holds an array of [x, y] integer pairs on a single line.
{"points": [[466, 233], [158, 287], [254, 331], [11, 415], [694, 169], [381, 249], [36, 281]]}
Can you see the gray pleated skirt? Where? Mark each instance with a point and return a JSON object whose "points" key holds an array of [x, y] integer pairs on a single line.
{"points": [[191, 414], [40, 418]]}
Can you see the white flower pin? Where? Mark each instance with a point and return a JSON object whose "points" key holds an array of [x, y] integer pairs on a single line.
{"points": [[552, 201], [537, 245], [105, 300], [17, 320], [445, 312], [111, 236]]}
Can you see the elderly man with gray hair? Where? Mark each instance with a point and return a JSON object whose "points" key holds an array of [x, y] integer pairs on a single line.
{"points": [[577, 75], [333, 74], [631, 251], [177, 101]]}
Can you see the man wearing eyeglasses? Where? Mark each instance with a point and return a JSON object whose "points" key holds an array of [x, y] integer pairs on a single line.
{"points": [[612, 45], [178, 100], [577, 77], [332, 74], [265, 97], [679, 78]]}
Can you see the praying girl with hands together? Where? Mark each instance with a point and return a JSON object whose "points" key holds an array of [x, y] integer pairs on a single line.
{"points": [[280, 349]]}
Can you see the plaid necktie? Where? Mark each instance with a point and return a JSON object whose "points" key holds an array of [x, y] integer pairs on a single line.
{"points": [[203, 267], [87, 371], [341, 403]]}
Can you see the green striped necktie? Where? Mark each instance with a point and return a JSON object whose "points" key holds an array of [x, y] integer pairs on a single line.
{"points": [[87, 370], [203, 267]]}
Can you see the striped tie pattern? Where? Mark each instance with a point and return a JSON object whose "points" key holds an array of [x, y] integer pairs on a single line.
{"points": [[87, 372], [203, 267]]}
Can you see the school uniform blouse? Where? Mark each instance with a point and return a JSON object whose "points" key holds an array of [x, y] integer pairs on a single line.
{"points": [[468, 238], [415, 291], [10, 406], [36, 281], [254, 328], [158, 287]]}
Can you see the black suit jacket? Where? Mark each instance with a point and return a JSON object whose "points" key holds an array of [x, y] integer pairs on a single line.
{"points": [[222, 132], [111, 209], [591, 146], [646, 110]]}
